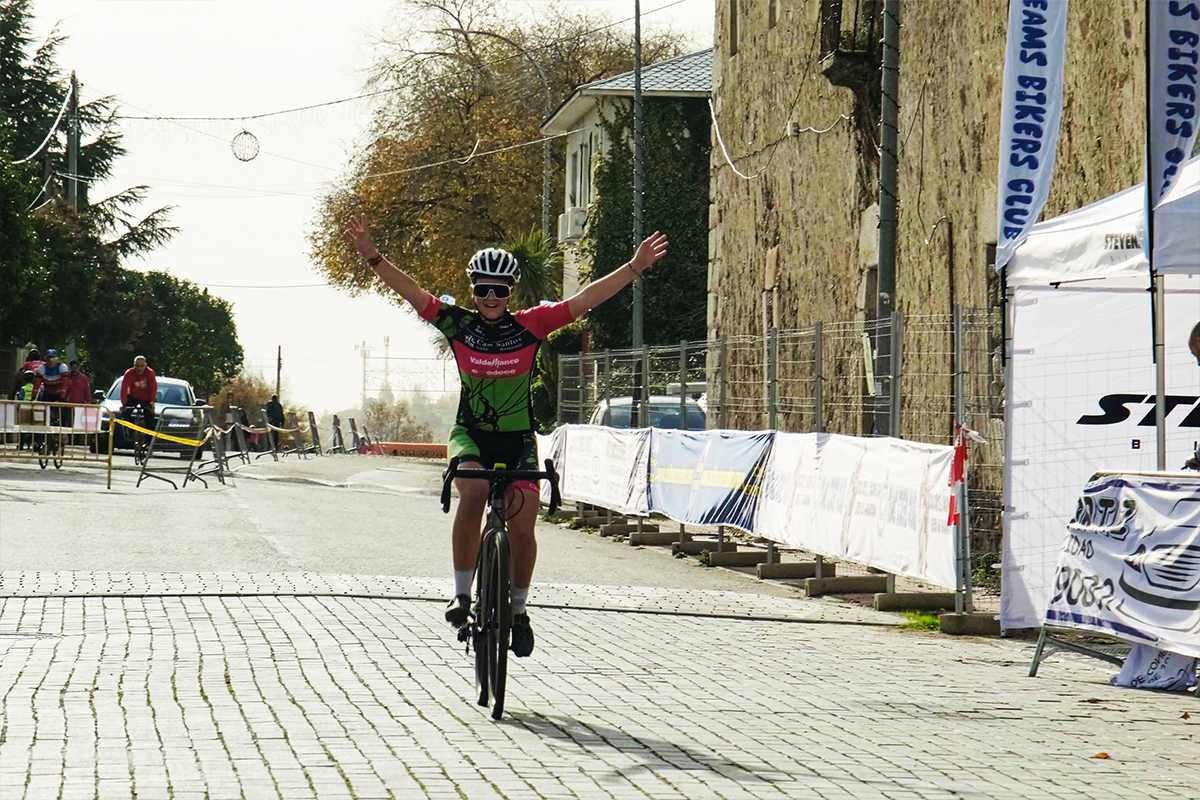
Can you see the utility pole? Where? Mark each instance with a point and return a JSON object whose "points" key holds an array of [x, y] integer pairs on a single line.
{"points": [[73, 145], [364, 351], [278, 367], [888, 205], [639, 165], [639, 176]]}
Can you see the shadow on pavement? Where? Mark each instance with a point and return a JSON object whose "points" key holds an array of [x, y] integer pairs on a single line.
{"points": [[655, 754]]}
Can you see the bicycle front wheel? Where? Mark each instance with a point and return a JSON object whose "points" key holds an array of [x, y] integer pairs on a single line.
{"points": [[60, 451], [499, 627], [483, 613], [43, 451]]}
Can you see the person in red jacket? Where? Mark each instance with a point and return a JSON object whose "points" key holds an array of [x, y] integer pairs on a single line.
{"points": [[78, 391], [139, 387]]}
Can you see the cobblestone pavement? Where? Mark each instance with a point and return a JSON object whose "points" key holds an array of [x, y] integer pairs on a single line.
{"points": [[216, 687]]}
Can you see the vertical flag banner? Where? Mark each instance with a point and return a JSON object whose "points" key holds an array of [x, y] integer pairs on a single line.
{"points": [[1173, 83], [1030, 113]]}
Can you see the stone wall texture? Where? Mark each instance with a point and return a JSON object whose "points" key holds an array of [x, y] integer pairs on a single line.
{"points": [[812, 196]]}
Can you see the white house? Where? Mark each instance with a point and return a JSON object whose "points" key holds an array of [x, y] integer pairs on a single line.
{"points": [[581, 115]]}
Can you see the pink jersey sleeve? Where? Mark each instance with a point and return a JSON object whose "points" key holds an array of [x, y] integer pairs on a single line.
{"points": [[429, 313], [544, 320]]}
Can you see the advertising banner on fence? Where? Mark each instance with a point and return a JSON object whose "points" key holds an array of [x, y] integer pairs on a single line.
{"points": [[1173, 84], [1030, 112], [1130, 562], [883, 502], [709, 477], [604, 466], [1081, 399]]}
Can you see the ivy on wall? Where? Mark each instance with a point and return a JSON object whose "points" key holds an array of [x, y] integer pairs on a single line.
{"points": [[676, 135]]}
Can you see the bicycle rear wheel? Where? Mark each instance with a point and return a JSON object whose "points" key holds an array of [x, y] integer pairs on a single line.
{"points": [[43, 450], [60, 451], [499, 628]]}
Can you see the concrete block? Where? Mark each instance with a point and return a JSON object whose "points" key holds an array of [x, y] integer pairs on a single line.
{"points": [[914, 601], [625, 527], [846, 584], [745, 558], [652, 536], [795, 570], [695, 548], [973, 624], [592, 522]]}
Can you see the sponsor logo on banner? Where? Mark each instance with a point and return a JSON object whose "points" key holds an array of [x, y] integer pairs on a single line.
{"points": [[1031, 110], [709, 478], [1174, 81], [1130, 562], [1115, 409]]}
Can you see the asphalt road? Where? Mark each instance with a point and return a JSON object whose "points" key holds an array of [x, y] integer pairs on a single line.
{"points": [[335, 515]]}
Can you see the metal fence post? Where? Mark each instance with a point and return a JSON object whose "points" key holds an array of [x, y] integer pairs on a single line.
{"points": [[721, 369], [897, 342], [558, 390], [683, 354], [772, 379], [645, 416], [608, 377], [818, 379], [585, 415], [962, 533]]}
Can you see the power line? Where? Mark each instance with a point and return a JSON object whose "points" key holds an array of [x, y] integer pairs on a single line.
{"points": [[239, 118], [258, 116], [260, 286], [53, 128]]}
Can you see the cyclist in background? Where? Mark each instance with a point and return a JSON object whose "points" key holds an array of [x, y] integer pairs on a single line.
{"points": [[139, 388], [496, 351]]}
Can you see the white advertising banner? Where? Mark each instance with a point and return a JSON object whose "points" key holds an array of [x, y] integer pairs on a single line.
{"points": [[1130, 563], [605, 466], [883, 502], [1174, 82], [1080, 398], [1030, 112]]}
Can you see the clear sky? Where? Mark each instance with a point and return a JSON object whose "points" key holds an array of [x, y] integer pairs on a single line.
{"points": [[244, 224]]}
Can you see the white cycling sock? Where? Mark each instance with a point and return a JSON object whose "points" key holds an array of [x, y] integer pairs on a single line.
{"points": [[462, 581], [519, 596]]}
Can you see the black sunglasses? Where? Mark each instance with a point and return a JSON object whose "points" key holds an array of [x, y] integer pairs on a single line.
{"points": [[499, 290]]}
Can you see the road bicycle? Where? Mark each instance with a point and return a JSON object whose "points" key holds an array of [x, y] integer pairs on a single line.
{"points": [[489, 625], [52, 447]]}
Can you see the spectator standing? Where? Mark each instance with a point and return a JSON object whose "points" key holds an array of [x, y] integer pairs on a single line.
{"points": [[275, 417], [79, 390]]}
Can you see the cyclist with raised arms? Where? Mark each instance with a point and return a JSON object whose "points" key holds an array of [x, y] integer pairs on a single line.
{"points": [[495, 350]]}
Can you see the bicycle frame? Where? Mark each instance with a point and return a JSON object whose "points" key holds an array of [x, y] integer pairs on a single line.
{"points": [[489, 629]]}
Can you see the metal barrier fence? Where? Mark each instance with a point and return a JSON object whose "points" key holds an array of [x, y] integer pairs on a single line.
{"points": [[50, 433], [942, 370]]}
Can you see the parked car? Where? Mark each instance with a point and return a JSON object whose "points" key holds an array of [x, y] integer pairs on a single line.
{"points": [[173, 405], [663, 412]]}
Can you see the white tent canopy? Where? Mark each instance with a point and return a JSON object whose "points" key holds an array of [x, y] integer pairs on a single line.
{"points": [[1104, 239]]}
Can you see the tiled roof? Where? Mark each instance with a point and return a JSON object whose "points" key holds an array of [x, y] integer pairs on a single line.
{"points": [[690, 73]]}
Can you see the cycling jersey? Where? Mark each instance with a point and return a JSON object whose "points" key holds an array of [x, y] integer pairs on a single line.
{"points": [[496, 361], [54, 380]]}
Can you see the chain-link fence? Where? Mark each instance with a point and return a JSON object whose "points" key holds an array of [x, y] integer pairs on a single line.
{"points": [[911, 377]]}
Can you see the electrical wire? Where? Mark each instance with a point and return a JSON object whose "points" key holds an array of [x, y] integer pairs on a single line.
{"points": [[63, 110], [244, 117], [257, 116], [41, 191]]}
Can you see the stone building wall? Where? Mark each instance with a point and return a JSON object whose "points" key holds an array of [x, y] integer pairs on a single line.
{"points": [[812, 209]]}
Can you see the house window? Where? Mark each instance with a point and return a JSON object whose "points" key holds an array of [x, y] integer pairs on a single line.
{"points": [[573, 180], [772, 13], [733, 27]]}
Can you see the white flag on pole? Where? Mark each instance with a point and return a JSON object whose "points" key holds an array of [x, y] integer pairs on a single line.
{"points": [[1031, 110]]}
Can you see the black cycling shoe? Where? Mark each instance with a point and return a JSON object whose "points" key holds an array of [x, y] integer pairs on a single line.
{"points": [[457, 610], [522, 636]]}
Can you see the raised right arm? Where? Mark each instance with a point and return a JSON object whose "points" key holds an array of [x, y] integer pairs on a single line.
{"points": [[396, 279]]}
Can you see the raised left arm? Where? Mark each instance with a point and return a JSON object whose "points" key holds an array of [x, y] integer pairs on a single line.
{"points": [[649, 252]]}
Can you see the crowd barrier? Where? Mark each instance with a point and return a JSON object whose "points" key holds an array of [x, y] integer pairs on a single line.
{"points": [[50, 433], [883, 502]]}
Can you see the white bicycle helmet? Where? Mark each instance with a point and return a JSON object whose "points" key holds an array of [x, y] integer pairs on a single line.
{"points": [[492, 262]]}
